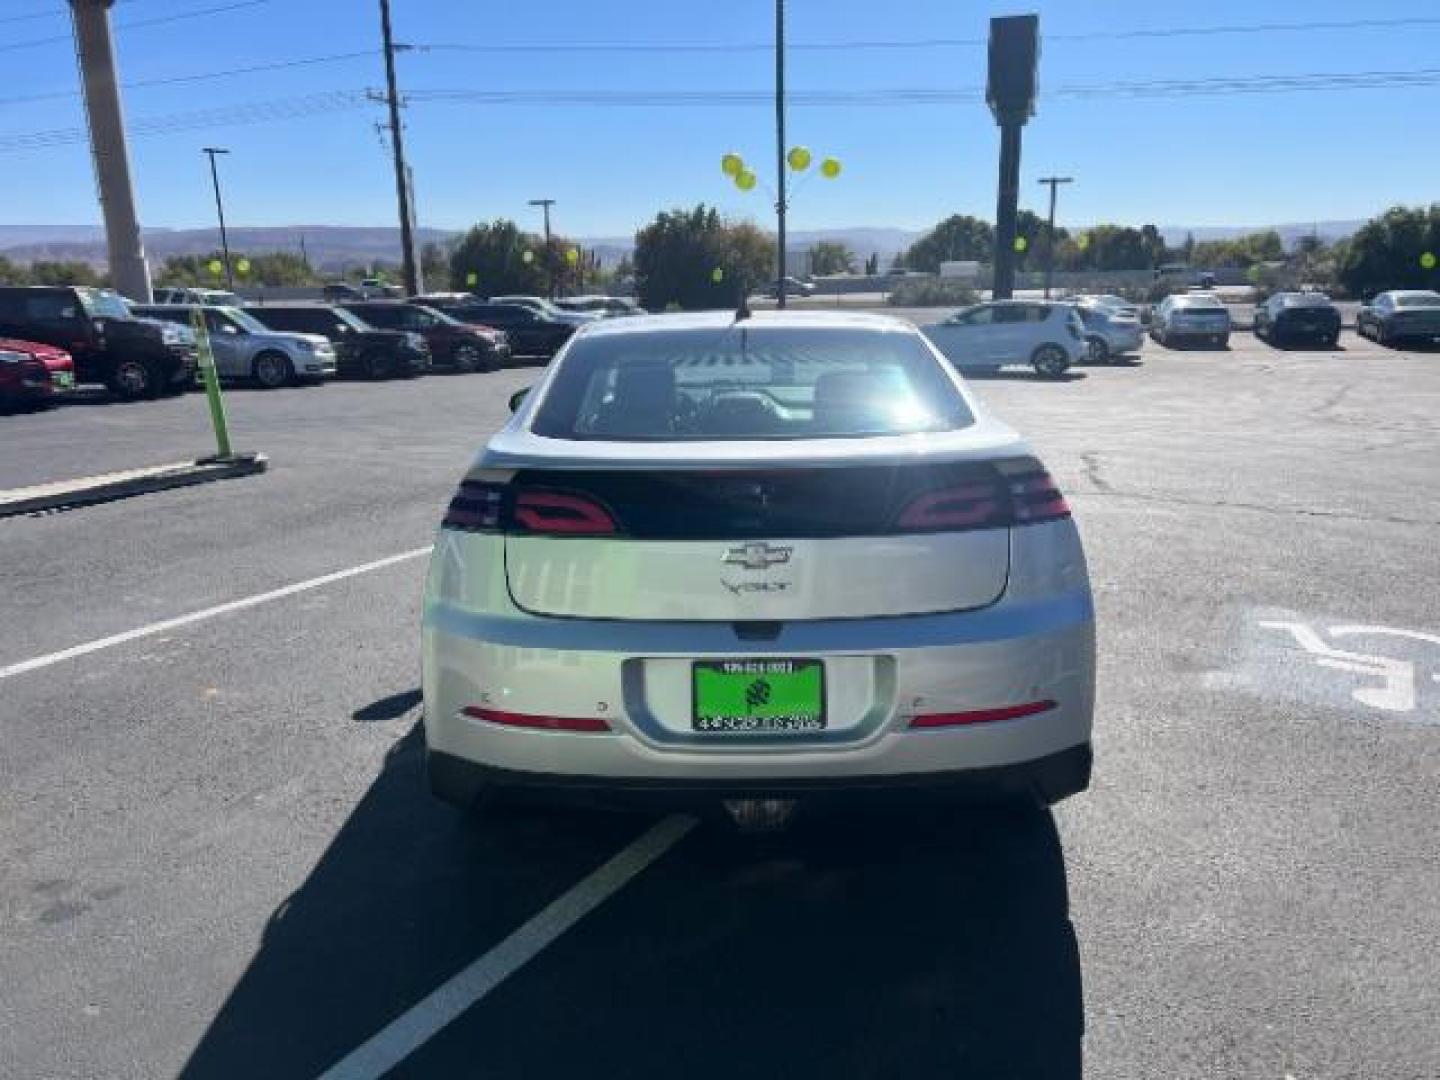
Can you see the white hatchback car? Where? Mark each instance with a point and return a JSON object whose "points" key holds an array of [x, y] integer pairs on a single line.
{"points": [[985, 337], [756, 560]]}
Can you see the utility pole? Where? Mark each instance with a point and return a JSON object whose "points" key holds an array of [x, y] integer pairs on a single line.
{"points": [[95, 52], [211, 151], [780, 206], [397, 145], [1054, 182], [549, 255]]}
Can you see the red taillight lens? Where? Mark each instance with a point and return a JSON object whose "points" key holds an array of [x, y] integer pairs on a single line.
{"points": [[1034, 498], [562, 512], [536, 723], [476, 507], [981, 716], [964, 506]]}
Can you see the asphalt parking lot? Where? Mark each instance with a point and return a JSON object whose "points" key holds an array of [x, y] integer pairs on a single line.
{"points": [[217, 858]]}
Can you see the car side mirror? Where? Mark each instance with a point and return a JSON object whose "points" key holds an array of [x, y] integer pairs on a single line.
{"points": [[518, 398]]}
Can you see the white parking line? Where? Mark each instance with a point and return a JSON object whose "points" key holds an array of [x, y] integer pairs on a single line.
{"points": [[208, 613], [412, 1029]]}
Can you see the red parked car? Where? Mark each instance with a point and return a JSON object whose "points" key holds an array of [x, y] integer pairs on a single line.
{"points": [[34, 374]]}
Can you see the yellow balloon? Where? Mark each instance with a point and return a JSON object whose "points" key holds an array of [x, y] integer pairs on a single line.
{"points": [[527, 256], [830, 168], [242, 267], [472, 278], [1428, 260], [1083, 241], [214, 266], [572, 256], [1021, 243], [799, 158], [732, 164], [717, 275], [745, 179]]}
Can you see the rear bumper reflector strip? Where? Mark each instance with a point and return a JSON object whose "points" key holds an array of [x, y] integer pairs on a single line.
{"points": [[980, 716], [538, 723]]}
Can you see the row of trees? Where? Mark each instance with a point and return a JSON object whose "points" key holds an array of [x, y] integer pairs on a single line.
{"points": [[50, 272]]}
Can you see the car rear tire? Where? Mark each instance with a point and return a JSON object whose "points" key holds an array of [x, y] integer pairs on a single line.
{"points": [[273, 370], [469, 358], [134, 378], [1050, 361], [1096, 351]]}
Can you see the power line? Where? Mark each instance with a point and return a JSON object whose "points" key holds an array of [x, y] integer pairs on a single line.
{"points": [[923, 43], [136, 24], [203, 76]]}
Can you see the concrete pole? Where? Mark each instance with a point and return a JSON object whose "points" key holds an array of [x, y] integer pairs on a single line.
{"points": [[96, 54], [780, 203]]}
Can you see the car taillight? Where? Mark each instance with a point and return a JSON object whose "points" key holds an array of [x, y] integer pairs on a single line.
{"points": [[489, 506], [1020, 493]]}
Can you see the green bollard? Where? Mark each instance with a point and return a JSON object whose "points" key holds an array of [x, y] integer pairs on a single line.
{"points": [[212, 383]]}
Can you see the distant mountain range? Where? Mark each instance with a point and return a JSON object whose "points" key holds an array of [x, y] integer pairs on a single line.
{"points": [[336, 247]]}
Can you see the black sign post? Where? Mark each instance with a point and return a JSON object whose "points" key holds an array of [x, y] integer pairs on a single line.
{"points": [[1010, 93]]}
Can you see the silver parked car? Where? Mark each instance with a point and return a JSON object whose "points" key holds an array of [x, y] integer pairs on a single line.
{"points": [[985, 337], [1191, 317], [245, 348], [1401, 315], [751, 561], [1109, 334]]}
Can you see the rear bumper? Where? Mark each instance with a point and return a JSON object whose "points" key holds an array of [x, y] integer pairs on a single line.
{"points": [[1048, 779]]}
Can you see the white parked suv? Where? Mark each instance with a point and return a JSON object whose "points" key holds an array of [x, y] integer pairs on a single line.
{"points": [[1046, 336]]}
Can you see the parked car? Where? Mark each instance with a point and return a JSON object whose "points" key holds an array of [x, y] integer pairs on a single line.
{"points": [[1190, 317], [1290, 317], [608, 306], [1108, 333], [134, 357], [187, 295], [791, 557], [549, 309], [530, 332], [986, 337], [1118, 304], [33, 374], [245, 348], [793, 287], [340, 291], [1401, 315], [455, 345], [361, 350]]}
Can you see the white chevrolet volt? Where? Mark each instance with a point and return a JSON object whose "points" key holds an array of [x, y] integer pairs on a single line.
{"points": [[754, 561]]}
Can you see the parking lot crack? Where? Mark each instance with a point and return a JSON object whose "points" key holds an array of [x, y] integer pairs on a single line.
{"points": [[1092, 472], [1283, 511]]}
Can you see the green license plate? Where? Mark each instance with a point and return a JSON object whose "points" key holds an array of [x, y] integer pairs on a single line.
{"points": [[758, 695], [63, 378]]}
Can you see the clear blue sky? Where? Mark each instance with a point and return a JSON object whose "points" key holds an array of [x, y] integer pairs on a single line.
{"points": [[1232, 160]]}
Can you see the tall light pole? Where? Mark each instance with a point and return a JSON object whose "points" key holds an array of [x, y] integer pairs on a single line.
{"points": [[397, 146], [549, 255], [780, 153], [96, 53], [1054, 182], [211, 151]]}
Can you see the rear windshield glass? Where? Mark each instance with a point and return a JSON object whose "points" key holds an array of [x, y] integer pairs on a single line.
{"points": [[744, 383], [1306, 300]]}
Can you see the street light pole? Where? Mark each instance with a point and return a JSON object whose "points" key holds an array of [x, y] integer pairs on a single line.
{"points": [[549, 255], [1054, 182], [780, 152], [211, 151]]}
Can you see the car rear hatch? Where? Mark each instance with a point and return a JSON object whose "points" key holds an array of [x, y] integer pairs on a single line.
{"points": [[743, 545], [1418, 320]]}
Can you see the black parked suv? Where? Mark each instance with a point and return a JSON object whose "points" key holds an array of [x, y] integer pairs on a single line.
{"points": [[135, 358], [361, 351], [531, 332]]}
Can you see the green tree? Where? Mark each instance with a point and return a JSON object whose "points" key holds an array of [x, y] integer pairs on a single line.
{"points": [[831, 257], [494, 254], [957, 237], [64, 272], [12, 273], [872, 264], [434, 267], [677, 256], [1387, 252], [1114, 247]]}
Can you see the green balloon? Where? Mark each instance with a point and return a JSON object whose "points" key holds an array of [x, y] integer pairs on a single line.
{"points": [[1428, 260], [830, 168], [472, 278], [1021, 243], [717, 275], [798, 158], [732, 164], [745, 180]]}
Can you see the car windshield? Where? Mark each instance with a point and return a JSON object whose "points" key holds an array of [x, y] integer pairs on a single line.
{"points": [[103, 304], [245, 320], [1418, 300], [350, 319], [743, 383]]}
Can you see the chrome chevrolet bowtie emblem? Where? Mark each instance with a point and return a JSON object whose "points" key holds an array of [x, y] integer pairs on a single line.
{"points": [[758, 556]]}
